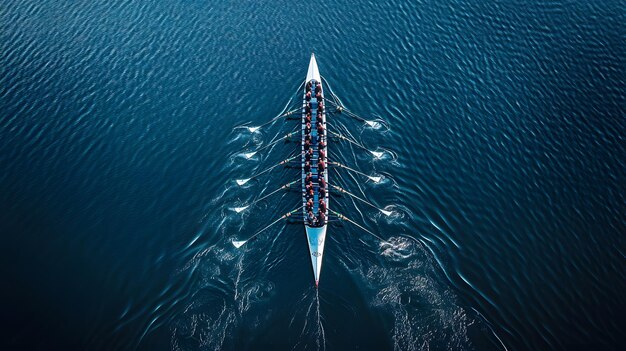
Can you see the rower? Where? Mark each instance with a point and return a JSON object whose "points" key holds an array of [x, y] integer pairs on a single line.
{"points": [[322, 192], [308, 86], [309, 204], [307, 145], [307, 118], [309, 177], [320, 107], [322, 182], [318, 88], [308, 96], [320, 128], [322, 153], [307, 156], [318, 96], [309, 186], [311, 217], [307, 167], [322, 205], [321, 218], [307, 107], [322, 145], [307, 128], [321, 166], [311, 193]]}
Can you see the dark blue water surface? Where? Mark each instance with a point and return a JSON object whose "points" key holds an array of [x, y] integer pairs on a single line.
{"points": [[120, 140]]}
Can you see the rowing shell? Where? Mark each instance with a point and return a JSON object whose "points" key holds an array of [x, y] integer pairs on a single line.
{"points": [[315, 231]]}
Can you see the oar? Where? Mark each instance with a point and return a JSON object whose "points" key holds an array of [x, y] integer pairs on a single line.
{"points": [[282, 113], [244, 181], [342, 217], [240, 243], [372, 178], [286, 186], [286, 114], [250, 154], [341, 108], [342, 190], [376, 154]]}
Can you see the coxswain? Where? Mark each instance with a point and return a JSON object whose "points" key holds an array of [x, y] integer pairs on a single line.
{"points": [[307, 96], [322, 205], [307, 167], [321, 166], [318, 88]]}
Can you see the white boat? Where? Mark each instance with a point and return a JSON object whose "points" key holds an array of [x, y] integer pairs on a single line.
{"points": [[316, 228]]}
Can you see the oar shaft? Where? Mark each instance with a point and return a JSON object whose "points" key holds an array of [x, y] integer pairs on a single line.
{"points": [[272, 193], [288, 214], [349, 140], [342, 217], [288, 113], [275, 142], [348, 168], [274, 166], [342, 190]]}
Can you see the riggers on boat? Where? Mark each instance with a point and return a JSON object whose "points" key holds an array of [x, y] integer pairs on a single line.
{"points": [[315, 213]]}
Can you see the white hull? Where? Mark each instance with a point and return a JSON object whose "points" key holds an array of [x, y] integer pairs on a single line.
{"points": [[316, 235]]}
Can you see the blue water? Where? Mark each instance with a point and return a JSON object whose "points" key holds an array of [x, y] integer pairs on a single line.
{"points": [[121, 138]]}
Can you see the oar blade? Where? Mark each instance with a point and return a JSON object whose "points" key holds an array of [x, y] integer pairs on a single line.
{"points": [[253, 129], [240, 209], [242, 181], [249, 155], [238, 244], [386, 213], [373, 124], [375, 179], [377, 154]]}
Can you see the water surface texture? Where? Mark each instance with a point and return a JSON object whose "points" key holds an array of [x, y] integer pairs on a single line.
{"points": [[504, 165]]}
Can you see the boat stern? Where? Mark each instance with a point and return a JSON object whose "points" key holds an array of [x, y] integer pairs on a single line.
{"points": [[316, 238]]}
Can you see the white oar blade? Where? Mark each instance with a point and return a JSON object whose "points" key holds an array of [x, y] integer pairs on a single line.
{"points": [[249, 155], [373, 124], [253, 129], [238, 244], [386, 213], [375, 179], [239, 209], [377, 154], [242, 181]]}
